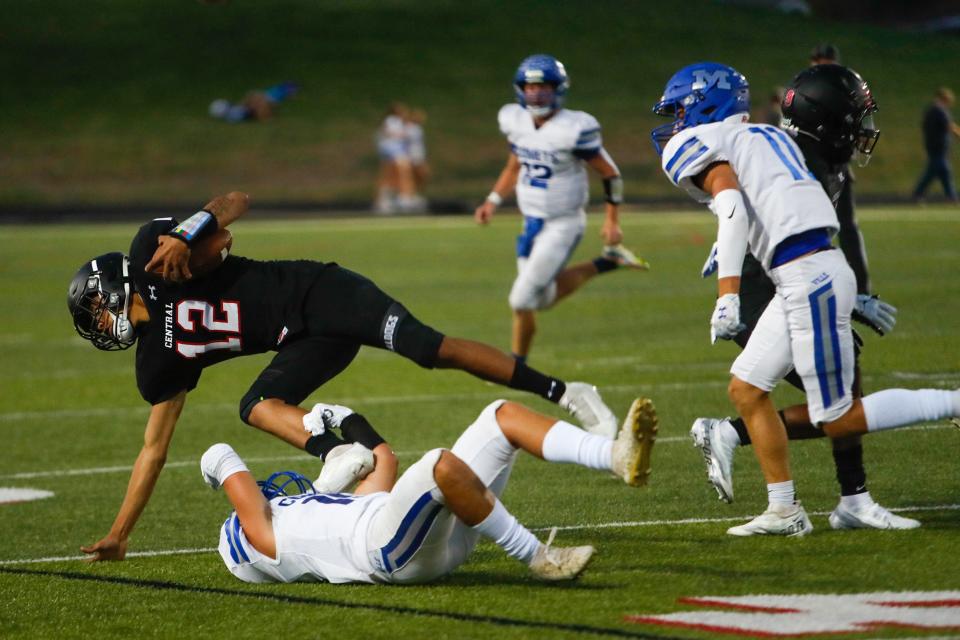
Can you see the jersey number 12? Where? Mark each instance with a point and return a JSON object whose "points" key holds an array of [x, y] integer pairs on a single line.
{"points": [[229, 325]]}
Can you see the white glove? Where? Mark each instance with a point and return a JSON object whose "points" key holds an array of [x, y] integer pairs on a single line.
{"points": [[325, 416], [345, 465], [725, 322], [711, 265], [875, 313]]}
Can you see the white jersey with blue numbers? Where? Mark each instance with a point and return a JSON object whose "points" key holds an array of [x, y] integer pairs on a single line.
{"points": [[552, 179], [319, 537], [782, 196]]}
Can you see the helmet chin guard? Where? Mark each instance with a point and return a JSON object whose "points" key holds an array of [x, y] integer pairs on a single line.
{"points": [[99, 302]]}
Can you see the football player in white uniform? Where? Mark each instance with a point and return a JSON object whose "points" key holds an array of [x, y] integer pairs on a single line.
{"points": [[754, 179], [426, 524], [548, 147]]}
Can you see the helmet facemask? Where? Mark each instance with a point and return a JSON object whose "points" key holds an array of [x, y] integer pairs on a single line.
{"points": [[101, 309]]}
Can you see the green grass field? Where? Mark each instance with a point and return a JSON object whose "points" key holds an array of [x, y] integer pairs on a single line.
{"points": [[106, 101], [72, 423]]}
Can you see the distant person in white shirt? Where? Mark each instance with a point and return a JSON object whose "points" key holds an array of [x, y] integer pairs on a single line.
{"points": [[548, 147], [396, 188], [424, 525]]}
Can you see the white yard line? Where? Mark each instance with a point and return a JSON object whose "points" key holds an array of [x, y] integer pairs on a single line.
{"points": [[26, 475], [573, 527]]}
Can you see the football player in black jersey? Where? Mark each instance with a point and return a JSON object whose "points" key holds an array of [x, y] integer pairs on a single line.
{"points": [[829, 110], [314, 315]]}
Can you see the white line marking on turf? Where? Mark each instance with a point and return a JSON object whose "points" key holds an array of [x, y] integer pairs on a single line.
{"points": [[25, 475], [572, 527]]}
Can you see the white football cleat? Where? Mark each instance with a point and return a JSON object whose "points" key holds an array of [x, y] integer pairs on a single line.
{"points": [[717, 440], [871, 516], [553, 564], [585, 404], [345, 464], [624, 257], [634, 443], [778, 520], [212, 461]]}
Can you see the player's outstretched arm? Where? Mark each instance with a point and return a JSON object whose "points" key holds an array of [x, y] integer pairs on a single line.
{"points": [[603, 164], [505, 184], [146, 470], [227, 208]]}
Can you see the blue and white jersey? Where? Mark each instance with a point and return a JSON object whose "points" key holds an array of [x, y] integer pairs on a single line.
{"points": [[552, 180], [783, 197], [319, 537]]}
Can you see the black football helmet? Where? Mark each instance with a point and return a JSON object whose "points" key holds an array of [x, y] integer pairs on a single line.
{"points": [[832, 105], [102, 285]]}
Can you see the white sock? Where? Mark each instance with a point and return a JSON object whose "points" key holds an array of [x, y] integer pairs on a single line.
{"points": [[781, 493], [857, 501], [566, 443], [222, 461], [892, 408], [514, 538]]}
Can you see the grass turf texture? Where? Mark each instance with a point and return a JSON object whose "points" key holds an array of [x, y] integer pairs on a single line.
{"points": [[107, 101], [66, 407]]}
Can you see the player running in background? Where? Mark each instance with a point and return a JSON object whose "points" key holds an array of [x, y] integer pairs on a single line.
{"points": [[314, 315], [548, 147], [426, 524], [754, 179], [820, 105]]}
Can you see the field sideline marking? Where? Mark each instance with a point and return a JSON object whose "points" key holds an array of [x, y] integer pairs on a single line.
{"points": [[26, 475], [572, 527]]}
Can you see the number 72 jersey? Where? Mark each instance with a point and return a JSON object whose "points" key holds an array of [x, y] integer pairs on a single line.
{"points": [[782, 196], [243, 307], [552, 179]]}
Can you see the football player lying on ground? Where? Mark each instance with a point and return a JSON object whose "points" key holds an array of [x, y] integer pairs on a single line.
{"points": [[754, 179], [821, 107], [426, 524], [315, 315]]}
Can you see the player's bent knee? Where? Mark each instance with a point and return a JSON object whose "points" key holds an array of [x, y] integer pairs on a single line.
{"points": [[742, 393], [247, 403], [418, 342]]}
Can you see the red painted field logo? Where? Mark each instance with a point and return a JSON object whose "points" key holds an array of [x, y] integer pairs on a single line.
{"points": [[800, 615]]}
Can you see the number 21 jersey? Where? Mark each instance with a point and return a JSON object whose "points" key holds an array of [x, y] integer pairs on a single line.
{"points": [[782, 196]]}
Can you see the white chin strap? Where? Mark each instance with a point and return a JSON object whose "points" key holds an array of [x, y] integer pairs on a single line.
{"points": [[539, 112]]}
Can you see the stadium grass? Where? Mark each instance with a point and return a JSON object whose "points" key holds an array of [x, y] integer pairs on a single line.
{"points": [[69, 413], [108, 100]]}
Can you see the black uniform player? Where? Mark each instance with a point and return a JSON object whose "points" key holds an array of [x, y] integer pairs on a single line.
{"points": [[315, 315], [826, 107]]}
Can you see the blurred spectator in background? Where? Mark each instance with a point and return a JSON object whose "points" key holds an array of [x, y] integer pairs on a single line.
{"points": [[256, 105], [417, 148], [937, 127], [824, 53], [771, 113], [396, 187]]}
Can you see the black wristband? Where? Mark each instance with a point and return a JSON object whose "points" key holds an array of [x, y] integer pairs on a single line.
{"points": [[356, 428]]}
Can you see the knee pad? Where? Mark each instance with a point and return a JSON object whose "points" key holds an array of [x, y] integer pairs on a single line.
{"points": [[411, 338]]}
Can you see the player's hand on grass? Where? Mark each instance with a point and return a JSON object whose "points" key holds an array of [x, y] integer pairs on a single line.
{"points": [[875, 313], [725, 323], [171, 260], [611, 233], [109, 548], [484, 212]]}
